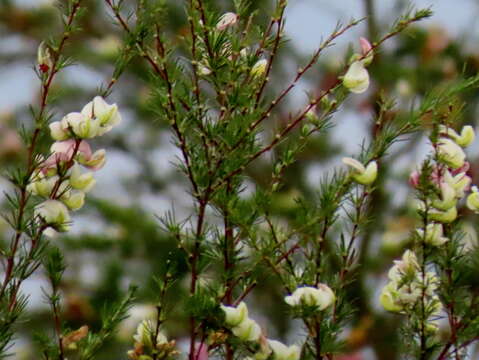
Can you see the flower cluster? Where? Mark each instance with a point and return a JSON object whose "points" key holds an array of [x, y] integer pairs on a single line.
{"points": [[59, 179], [248, 330], [356, 78], [145, 345], [408, 285], [450, 178]]}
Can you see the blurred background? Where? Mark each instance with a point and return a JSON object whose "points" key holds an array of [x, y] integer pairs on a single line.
{"points": [[116, 238]]}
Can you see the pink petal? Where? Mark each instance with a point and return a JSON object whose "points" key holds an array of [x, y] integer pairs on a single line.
{"points": [[365, 45]]}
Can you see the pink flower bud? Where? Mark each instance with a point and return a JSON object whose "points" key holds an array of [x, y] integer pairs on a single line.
{"points": [[226, 20], [365, 45], [414, 179]]}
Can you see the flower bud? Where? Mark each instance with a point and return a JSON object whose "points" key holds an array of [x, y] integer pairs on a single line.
{"points": [[79, 181], [106, 115], [283, 352], [464, 140], [235, 315], [82, 126], [54, 213], [226, 20], [44, 57], [203, 70], [362, 175], [472, 201], [58, 132], [434, 235], [74, 199], [450, 153], [259, 68], [247, 330], [320, 297], [356, 78], [366, 50]]}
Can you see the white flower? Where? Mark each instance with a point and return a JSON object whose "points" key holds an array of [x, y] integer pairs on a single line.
{"points": [[434, 235], [79, 181], [96, 161], [283, 352], [472, 201], [106, 115], [235, 315], [82, 125], [58, 131], [448, 198], [450, 153], [447, 216], [460, 182], [356, 78], [54, 213], [259, 68], [247, 330], [145, 332], [465, 139], [42, 185], [361, 174], [388, 298], [407, 265], [321, 297], [226, 20], [74, 199]]}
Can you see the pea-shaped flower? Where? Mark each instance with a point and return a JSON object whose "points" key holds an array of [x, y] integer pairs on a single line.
{"points": [[466, 137], [283, 352], [59, 131], [434, 235], [356, 78], [79, 181], [447, 199], [247, 330], [364, 175], [235, 315], [460, 182], [83, 126], [450, 153], [74, 199], [104, 114], [54, 213], [320, 297], [473, 200], [42, 185], [226, 20], [389, 298], [446, 217], [145, 333], [259, 68]]}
